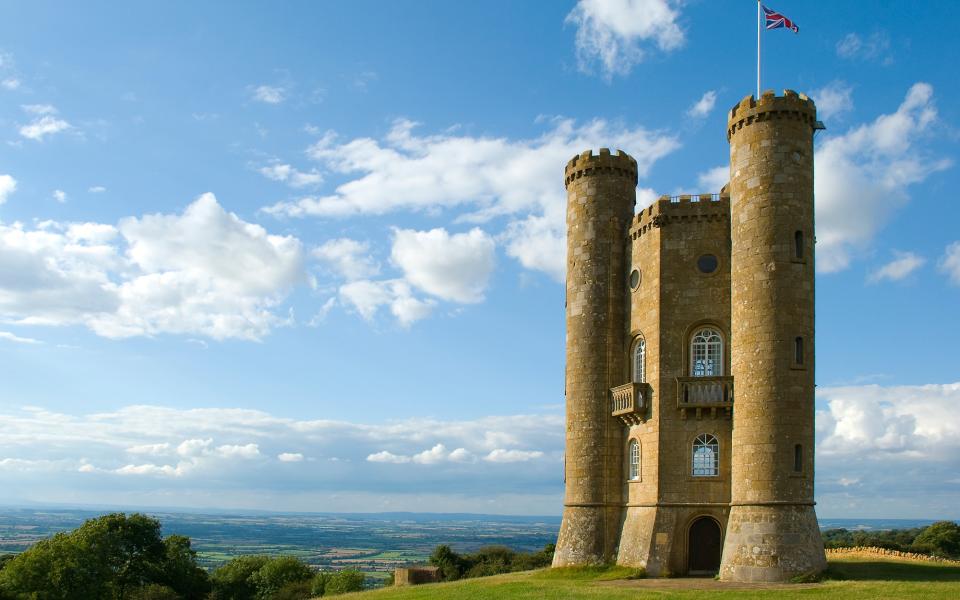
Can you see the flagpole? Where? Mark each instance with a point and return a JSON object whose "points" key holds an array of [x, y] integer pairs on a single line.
{"points": [[758, 49]]}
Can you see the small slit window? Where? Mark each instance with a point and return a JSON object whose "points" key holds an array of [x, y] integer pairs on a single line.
{"points": [[706, 456], [798, 350], [634, 456], [639, 362], [798, 458], [798, 245]]}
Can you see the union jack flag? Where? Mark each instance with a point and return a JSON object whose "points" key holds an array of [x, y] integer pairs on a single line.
{"points": [[775, 21]]}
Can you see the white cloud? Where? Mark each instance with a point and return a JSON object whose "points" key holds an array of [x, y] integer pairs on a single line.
{"points": [[44, 122], [10, 337], [8, 185], [863, 176], [96, 189], [452, 267], [269, 94], [388, 457], [245, 451], [162, 449], [712, 180], [480, 176], [950, 263], [349, 258], [204, 272], [875, 48], [500, 455], [833, 100], [899, 268], [367, 297], [290, 457], [432, 456], [10, 83], [290, 175], [60, 196], [618, 33], [704, 105]]}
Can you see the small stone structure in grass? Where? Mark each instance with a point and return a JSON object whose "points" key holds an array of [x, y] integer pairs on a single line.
{"points": [[416, 575], [888, 552]]}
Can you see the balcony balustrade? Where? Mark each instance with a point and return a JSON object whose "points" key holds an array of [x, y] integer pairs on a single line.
{"points": [[629, 402], [705, 395]]}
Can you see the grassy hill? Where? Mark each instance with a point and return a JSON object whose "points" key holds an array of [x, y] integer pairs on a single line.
{"points": [[864, 576]]}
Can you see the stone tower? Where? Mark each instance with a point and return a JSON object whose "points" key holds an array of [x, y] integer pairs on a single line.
{"points": [[601, 193], [690, 361], [772, 532]]}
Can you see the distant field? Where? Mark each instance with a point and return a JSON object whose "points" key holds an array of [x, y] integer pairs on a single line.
{"points": [[863, 578]]}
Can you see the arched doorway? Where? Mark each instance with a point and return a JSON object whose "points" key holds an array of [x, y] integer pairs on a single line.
{"points": [[704, 547]]}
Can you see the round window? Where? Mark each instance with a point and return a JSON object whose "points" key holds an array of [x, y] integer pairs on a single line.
{"points": [[634, 279], [707, 263]]}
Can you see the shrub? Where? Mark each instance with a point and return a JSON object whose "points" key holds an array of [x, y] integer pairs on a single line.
{"points": [[341, 582], [940, 539]]}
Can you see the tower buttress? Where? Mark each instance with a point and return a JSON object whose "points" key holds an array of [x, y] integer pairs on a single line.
{"points": [[772, 532], [601, 193]]}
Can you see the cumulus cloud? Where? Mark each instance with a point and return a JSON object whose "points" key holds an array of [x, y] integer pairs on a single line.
{"points": [[367, 297], [712, 180], [508, 456], [480, 177], [290, 175], [899, 268], [205, 271], [348, 258], [863, 176], [833, 100], [290, 457], [387, 457], [618, 34], [269, 94], [44, 123], [60, 196], [704, 105], [452, 267], [10, 83], [950, 263], [8, 185], [893, 444]]}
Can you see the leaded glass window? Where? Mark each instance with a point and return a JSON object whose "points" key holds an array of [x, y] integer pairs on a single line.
{"points": [[706, 456], [639, 361], [706, 353], [634, 460]]}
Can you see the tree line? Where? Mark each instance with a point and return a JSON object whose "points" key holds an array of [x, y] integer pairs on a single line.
{"points": [[120, 557], [940, 539]]}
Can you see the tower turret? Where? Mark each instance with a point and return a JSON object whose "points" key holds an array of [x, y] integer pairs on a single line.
{"points": [[601, 193], [772, 531]]}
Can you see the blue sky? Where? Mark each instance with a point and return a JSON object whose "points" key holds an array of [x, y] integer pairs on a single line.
{"points": [[310, 257]]}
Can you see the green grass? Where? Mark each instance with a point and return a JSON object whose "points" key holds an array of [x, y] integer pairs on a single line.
{"points": [[848, 577]]}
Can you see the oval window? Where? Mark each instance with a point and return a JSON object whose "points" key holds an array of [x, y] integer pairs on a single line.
{"points": [[634, 279], [707, 263]]}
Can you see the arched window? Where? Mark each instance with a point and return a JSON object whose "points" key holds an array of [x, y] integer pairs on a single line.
{"points": [[634, 456], [706, 353], [706, 456], [639, 366], [798, 245]]}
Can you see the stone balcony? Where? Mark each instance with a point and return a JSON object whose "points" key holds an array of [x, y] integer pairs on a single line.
{"points": [[705, 396], [629, 402]]}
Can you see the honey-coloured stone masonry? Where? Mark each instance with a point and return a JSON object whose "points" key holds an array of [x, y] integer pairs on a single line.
{"points": [[704, 305]]}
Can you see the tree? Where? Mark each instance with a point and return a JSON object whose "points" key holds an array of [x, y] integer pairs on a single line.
{"points": [[233, 579], [108, 557], [341, 582], [277, 573], [449, 562], [942, 539]]}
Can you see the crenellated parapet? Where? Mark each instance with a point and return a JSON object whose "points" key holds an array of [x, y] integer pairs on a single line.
{"points": [[589, 164], [791, 106], [691, 208]]}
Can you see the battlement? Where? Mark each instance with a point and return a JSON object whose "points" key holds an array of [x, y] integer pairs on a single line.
{"points": [[588, 164], [687, 208], [770, 106]]}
